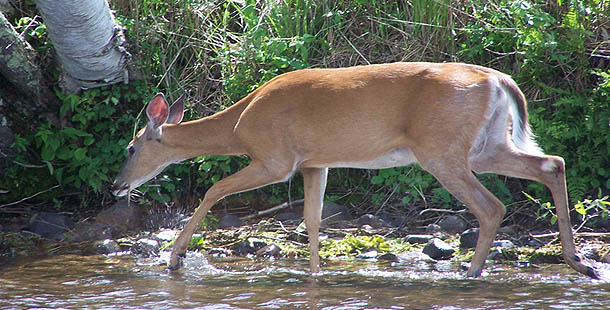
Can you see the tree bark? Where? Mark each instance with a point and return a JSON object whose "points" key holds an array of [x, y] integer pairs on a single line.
{"points": [[88, 42], [18, 64]]}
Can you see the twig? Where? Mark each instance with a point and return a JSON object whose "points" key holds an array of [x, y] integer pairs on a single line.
{"points": [[580, 234], [29, 197], [273, 209], [441, 210], [355, 49], [20, 163]]}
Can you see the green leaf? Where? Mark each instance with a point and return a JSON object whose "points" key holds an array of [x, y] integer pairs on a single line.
{"points": [[377, 179], [80, 153], [47, 154]]}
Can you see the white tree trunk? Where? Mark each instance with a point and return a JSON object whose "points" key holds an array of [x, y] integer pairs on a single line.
{"points": [[88, 42]]}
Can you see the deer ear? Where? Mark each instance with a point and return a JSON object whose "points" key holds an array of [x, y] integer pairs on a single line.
{"points": [[176, 111], [157, 111]]}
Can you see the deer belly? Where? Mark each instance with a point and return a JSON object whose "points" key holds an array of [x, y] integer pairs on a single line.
{"points": [[394, 158]]}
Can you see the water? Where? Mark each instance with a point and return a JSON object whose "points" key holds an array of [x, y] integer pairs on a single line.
{"points": [[126, 282]]}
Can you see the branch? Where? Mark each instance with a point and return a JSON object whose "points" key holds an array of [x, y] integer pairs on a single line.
{"points": [[29, 197]]}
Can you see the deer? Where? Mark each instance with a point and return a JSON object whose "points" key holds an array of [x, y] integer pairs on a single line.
{"points": [[455, 120]]}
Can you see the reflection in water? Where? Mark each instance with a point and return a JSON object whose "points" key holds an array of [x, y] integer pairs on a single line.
{"points": [[124, 282]]}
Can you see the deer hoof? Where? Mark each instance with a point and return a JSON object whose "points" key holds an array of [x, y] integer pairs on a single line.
{"points": [[175, 262]]}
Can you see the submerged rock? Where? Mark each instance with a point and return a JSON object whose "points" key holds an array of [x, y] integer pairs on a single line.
{"points": [[146, 247], [246, 247], [270, 250], [106, 246]]}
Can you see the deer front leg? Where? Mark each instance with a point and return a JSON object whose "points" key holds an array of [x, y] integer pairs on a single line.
{"points": [[314, 183], [254, 176]]}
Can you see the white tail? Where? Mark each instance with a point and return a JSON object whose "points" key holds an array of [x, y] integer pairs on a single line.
{"points": [[450, 118]]}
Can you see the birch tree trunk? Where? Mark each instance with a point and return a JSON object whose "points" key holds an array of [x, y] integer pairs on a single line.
{"points": [[88, 42]]}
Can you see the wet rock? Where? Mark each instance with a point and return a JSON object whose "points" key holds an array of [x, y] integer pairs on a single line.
{"points": [[219, 252], [50, 225], [270, 250], [433, 228], [95, 231], [122, 215], [505, 244], [289, 218], [246, 247], [453, 224], [468, 239], [146, 248], [229, 221], [418, 239], [501, 254], [389, 257], [606, 258], [164, 235], [332, 212], [106, 246], [535, 243], [438, 249], [590, 253], [370, 254], [372, 220]]}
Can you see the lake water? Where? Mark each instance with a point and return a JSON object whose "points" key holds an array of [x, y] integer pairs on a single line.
{"points": [[127, 282]]}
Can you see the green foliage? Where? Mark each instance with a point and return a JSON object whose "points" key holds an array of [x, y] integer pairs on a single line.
{"points": [[85, 152]]}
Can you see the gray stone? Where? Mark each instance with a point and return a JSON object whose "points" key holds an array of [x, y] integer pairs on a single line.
{"points": [[433, 228], [50, 225], [468, 239], [122, 215], [270, 250], [289, 218], [418, 239], [373, 221], [146, 248], [505, 244], [95, 231], [332, 212], [438, 249], [106, 246], [229, 221], [452, 224], [247, 247]]}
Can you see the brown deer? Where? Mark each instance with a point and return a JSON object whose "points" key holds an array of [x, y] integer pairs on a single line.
{"points": [[453, 119]]}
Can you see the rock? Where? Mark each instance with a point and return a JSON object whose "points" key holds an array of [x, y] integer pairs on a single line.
{"points": [[332, 212], [106, 246], [246, 247], [391, 220], [468, 239], [438, 249], [146, 248], [535, 243], [418, 239], [229, 221], [505, 244], [270, 250], [433, 228], [50, 225], [370, 254], [453, 224], [389, 257], [606, 258], [289, 218], [165, 235], [95, 231], [372, 220], [122, 215], [219, 252]]}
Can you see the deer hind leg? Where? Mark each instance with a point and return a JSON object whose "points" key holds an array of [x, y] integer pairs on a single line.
{"points": [[507, 160], [314, 183], [253, 176], [489, 211]]}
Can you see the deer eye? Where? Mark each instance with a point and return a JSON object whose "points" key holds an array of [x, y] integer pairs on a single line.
{"points": [[131, 150]]}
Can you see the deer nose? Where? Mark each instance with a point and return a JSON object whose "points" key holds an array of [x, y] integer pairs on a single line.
{"points": [[119, 189]]}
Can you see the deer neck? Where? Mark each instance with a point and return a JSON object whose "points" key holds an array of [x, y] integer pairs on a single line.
{"points": [[212, 135]]}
